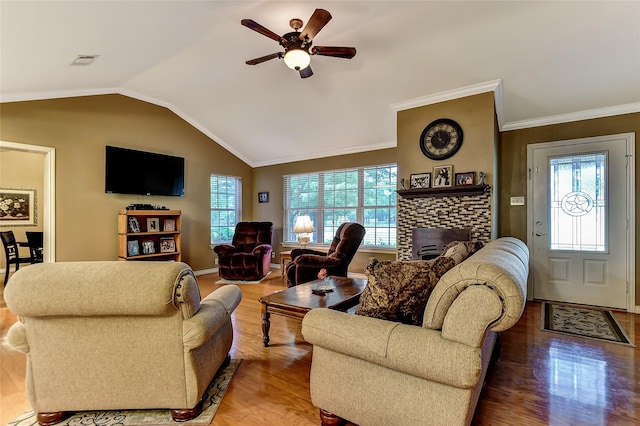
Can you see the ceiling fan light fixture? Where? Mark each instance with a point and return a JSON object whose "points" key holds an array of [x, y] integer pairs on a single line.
{"points": [[297, 58]]}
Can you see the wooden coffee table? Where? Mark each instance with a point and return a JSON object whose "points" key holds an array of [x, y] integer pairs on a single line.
{"points": [[296, 301]]}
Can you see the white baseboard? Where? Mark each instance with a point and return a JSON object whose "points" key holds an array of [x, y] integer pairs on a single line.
{"points": [[205, 271]]}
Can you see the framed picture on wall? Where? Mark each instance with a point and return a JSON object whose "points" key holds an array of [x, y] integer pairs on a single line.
{"points": [[463, 179], [263, 197], [442, 176], [17, 207], [420, 180]]}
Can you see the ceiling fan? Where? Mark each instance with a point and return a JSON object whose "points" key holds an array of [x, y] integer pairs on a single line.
{"points": [[297, 44]]}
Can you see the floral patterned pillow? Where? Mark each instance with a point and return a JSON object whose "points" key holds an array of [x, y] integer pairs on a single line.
{"points": [[399, 290]]}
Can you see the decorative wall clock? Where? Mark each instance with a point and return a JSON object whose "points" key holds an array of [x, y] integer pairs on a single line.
{"points": [[441, 139]]}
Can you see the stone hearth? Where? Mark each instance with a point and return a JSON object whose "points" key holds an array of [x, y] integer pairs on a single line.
{"points": [[451, 212]]}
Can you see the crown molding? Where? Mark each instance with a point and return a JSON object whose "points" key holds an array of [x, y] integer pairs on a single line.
{"points": [[574, 116]]}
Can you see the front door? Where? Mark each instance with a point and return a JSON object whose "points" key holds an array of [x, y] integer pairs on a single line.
{"points": [[580, 206]]}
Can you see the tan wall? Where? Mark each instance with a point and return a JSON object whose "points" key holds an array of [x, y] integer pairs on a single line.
{"points": [[476, 116], [22, 170], [512, 163], [270, 179], [79, 129]]}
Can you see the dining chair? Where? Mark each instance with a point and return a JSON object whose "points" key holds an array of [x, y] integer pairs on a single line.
{"points": [[11, 252], [35, 243]]}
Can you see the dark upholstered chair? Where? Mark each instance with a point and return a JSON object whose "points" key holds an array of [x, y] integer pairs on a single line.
{"points": [[306, 263], [11, 253], [248, 258]]}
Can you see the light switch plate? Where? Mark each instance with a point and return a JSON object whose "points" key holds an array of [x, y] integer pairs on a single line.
{"points": [[517, 201]]}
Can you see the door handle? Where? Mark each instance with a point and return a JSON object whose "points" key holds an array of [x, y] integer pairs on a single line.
{"points": [[540, 234]]}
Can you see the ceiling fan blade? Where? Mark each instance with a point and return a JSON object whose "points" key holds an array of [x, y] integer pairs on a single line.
{"points": [[338, 52], [318, 20], [253, 25], [306, 73], [262, 59]]}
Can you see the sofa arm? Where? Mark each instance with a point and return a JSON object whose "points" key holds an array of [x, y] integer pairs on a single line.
{"points": [[315, 261], [261, 250], [214, 312], [464, 322], [224, 249], [406, 348], [17, 337]]}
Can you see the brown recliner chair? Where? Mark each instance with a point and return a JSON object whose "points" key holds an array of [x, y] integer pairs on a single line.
{"points": [[248, 258], [306, 263]]}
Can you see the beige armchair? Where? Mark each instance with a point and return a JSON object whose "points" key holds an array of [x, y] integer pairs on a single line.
{"points": [[376, 372], [118, 335]]}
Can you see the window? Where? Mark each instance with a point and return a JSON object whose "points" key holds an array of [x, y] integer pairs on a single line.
{"points": [[365, 195], [226, 193]]}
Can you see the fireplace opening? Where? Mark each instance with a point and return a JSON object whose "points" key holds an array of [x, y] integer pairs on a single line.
{"points": [[428, 243]]}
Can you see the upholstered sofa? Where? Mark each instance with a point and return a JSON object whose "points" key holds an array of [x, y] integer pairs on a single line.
{"points": [[118, 335], [372, 371]]}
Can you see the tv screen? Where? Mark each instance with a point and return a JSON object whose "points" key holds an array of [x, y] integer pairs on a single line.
{"points": [[137, 172]]}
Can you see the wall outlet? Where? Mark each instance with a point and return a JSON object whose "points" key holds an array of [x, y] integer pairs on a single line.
{"points": [[215, 261], [517, 201], [273, 254]]}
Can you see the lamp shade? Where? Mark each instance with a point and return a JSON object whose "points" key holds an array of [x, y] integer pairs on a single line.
{"points": [[303, 225], [297, 58]]}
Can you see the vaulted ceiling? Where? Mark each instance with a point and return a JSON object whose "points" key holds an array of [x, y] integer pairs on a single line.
{"points": [[549, 61]]}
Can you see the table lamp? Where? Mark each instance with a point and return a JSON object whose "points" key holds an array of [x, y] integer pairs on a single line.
{"points": [[303, 228]]}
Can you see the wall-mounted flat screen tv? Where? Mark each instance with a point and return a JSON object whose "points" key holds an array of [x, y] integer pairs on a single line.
{"points": [[137, 172]]}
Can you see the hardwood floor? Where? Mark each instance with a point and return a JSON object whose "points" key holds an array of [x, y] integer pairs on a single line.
{"points": [[539, 378]]}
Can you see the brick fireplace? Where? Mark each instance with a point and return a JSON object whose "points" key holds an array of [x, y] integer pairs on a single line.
{"points": [[471, 211]]}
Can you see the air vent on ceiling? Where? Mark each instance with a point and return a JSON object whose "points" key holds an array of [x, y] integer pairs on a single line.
{"points": [[84, 60]]}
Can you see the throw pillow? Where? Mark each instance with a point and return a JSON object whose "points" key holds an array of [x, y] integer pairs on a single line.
{"points": [[460, 250], [399, 290]]}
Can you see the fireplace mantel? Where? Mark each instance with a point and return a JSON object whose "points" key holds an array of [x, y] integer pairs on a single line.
{"points": [[451, 191]]}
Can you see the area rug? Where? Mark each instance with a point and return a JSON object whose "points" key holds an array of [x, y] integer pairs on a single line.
{"points": [[212, 398], [582, 321], [223, 281]]}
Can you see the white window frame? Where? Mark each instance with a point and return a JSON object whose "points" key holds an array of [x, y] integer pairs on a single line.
{"points": [[235, 207], [316, 209]]}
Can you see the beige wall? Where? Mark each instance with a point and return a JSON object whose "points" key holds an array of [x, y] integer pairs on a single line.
{"points": [[476, 116], [79, 129], [22, 170], [270, 179], [512, 163]]}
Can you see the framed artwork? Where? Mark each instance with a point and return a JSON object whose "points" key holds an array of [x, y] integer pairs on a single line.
{"points": [[153, 224], [420, 180], [442, 176], [17, 207], [169, 225], [133, 249], [147, 247], [263, 197], [167, 245], [134, 225], [467, 178]]}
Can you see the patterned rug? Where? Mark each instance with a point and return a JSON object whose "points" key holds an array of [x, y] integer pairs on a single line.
{"points": [[212, 398], [582, 321], [223, 281]]}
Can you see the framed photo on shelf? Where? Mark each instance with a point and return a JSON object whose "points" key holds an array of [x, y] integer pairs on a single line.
{"points": [[153, 224], [420, 180], [134, 225], [169, 225], [263, 197], [167, 245], [147, 247], [17, 207], [442, 176], [463, 179], [133, 249]]}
